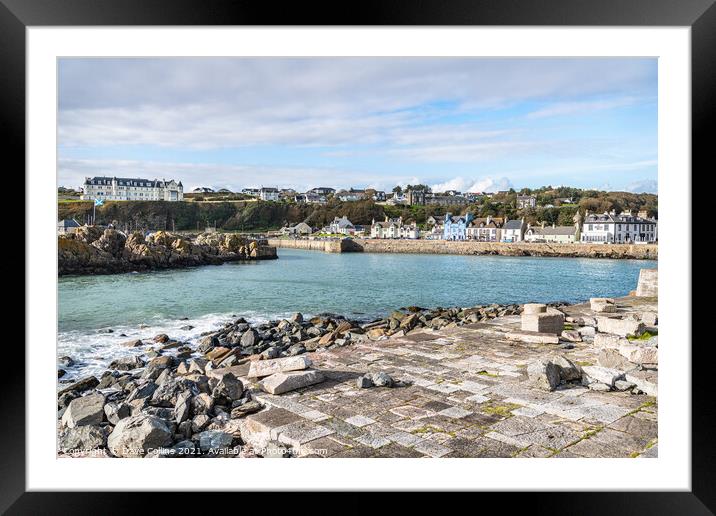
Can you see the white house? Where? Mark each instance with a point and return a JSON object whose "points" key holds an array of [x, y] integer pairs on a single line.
{"points": [[269, 194], [131, 189], [341, 226], [623, 228], [300, 229], [526, 201], [394, 228], [553, 234], [514, 230], [485, 229]]}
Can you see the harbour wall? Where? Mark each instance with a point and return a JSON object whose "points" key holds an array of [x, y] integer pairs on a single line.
{"points": [[624, 251]]}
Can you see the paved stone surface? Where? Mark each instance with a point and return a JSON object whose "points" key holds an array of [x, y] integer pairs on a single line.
{"points": [[467, 394]]}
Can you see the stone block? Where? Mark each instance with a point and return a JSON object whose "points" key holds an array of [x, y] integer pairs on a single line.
{"points": [[533, 337], [602, 305], [601, 374], [621, 327], [534, 308], [646, 381], [648, 285], [543, 322], [639, 353], [289, 381], [650, 318], [260, 368], [607, 341]]}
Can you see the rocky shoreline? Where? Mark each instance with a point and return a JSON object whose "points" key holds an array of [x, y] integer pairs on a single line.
{"points": [[92, 250], [185, 400]]}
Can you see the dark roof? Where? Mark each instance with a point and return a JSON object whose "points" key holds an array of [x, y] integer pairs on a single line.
{"points": [[557, 230], [68, 223], [127, 181], [513, 224]]}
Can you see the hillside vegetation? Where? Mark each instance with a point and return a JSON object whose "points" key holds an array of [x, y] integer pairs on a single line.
{"points": [[253, 215]]}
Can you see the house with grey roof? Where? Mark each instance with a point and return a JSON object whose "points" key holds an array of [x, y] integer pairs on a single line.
{"points": [[131, 189], [455, 226], [514, 230], [67, 226], [485, 229], [551, 234], [341, 226], [625, 228]]}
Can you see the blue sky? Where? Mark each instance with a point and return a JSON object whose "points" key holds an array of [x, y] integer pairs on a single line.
{"points": [[472, 124]]}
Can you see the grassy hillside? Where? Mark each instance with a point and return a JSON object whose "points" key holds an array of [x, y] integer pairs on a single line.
{"points": [[253, 215]]}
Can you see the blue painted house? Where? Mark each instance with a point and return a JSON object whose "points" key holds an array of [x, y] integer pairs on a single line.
{"points": [[455, 227]]}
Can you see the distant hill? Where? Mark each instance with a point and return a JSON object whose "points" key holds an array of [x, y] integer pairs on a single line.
{"points": [[255, 215]]}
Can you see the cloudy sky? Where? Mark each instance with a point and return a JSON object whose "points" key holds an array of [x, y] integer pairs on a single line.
{"points": [[471, 124]]}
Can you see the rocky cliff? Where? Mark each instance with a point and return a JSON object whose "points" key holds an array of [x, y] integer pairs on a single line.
{"points": [[92, 250]]}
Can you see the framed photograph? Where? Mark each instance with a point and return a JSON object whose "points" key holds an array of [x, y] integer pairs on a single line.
{"points": [[422, 243]]}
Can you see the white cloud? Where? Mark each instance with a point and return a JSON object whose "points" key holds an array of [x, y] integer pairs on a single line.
{"points": [[643, 186], [485, 184]]}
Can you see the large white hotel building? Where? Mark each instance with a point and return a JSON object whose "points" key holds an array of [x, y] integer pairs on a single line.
{"points": [[132, 189]]}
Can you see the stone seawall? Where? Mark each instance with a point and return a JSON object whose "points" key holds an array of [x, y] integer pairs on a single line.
{"points": [[327, 246], [625, 251]]}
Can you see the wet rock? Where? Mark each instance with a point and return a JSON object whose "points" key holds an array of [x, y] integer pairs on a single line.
{"points": [[82, 385], [133, 343], [66, 361], [161, 338], [127, 363]]}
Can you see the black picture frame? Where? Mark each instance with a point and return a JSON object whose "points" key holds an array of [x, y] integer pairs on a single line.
{"points": [[699, 15]]}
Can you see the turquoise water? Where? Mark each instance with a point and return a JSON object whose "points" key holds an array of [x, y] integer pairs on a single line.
{"points": [[354, 284], [361, 285]]}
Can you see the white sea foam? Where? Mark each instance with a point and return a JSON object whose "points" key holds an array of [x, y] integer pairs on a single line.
{"points": [[92, 351]]}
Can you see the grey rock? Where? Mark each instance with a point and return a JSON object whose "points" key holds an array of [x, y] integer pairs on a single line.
{"points": [[544, 374], [289, 381], [86, 410], [135, 436], [382, 379], [214, 441], [116, 411], [249, 338], [364, 382], [82, 438]]}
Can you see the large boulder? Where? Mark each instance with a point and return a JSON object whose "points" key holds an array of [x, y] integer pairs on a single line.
{"points": [[87, 410], [82, 438], [544, 374], [138, 435]]}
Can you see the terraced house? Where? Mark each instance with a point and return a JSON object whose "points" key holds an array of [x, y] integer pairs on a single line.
{"points": [[131, 189], [455, 227], [610, 228], [485, 229], [393, 228]]}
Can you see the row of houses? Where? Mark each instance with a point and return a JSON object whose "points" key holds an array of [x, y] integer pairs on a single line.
{"points": [[595, 228]]}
